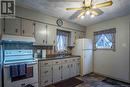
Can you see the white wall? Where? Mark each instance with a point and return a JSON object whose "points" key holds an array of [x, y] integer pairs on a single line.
{"points": [[107, 62], [35, 15]]}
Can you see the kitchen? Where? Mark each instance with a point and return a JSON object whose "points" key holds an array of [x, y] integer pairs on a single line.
{"points": [[39, 50]]}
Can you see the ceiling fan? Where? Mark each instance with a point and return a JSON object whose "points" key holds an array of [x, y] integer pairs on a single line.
{"points": [[89, 8]]}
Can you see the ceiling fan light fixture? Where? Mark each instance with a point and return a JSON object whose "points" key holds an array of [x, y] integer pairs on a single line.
{"points": [[88, 13], [82, 17], [92, 16], [94, 7]]}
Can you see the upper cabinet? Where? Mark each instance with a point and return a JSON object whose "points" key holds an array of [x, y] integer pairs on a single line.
{"points": [[27, 28], [12, 26], [76, 35], [40, 33], [18, 26], [51, 34]]}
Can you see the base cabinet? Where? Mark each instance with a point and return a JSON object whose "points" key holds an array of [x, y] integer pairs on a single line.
{"points": [[54, 71], [65, 71]]}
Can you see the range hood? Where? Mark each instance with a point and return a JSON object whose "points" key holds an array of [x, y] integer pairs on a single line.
{"points": [[17, 38]]}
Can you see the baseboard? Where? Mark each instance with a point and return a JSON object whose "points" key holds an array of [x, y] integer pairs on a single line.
{"points": [[113, 77]]}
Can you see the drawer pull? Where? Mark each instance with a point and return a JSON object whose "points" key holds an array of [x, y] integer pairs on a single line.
{"points": [[46, 63], [46, 81], [46, 72], [65, 60], [57, 62], [71, 65], [73, 59]]}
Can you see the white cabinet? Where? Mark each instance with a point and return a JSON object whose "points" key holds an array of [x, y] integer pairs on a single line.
{"points": [[76, 35], [51, 34], [73, 36], [65, 71], [12, 26], [45, 73], [40, 33], [77, 66], [18, 26], [53, 71], [46, 76], [27, 28], [72, 69], [56, 73]]}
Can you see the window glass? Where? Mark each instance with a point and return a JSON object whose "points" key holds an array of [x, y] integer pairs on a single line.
{"points": [[104, 42], [62, 40]]}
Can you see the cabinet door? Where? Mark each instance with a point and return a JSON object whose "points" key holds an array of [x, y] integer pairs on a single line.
{"points": [[73, 38], [72, 70], [51, 34], [45, 76], [12, 26], [40, 33], [56, 73], [65, 71], [27, 28], [77, 65]]}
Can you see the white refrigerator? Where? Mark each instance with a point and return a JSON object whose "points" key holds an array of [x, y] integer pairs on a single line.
{"points": [[84, 48]]}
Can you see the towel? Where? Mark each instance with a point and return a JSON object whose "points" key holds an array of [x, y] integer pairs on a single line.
{"points": [[14, 71], [22, 69]]}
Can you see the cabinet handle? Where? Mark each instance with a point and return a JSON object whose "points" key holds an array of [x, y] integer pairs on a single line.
{"points": [[4, 30], [54, 42], [16, 30], [46, 72], [23, 31], [68, 66], [57, 62], [33, 33], [46, 81], [59, 67], [46, 63], [71, 65], [43, 41]]}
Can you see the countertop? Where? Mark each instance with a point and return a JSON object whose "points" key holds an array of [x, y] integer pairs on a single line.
{"points": [[55, 58]]}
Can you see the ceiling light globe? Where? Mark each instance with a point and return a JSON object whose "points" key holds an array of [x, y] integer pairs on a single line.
{"points": [[82, 17], [88, 13], [92, 16]]}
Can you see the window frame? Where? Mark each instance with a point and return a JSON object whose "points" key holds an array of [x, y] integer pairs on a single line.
{"points": [[64, 31], [107, 31]]}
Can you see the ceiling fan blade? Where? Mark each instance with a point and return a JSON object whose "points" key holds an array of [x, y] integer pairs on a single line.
{"points": [[65, 0], [96, 12], [104, 4], [81, 14], [74, 16], [88, 3], [73, 8]]}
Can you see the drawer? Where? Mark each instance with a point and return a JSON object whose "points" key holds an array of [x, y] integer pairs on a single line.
{"points": [[45, 63], [46, 71], [73, 59], [47, 80], [65, 60], [77, 59], [56, 62]]}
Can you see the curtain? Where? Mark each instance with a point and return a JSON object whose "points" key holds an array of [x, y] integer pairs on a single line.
{"points": [[62, 40], [109, 34]]}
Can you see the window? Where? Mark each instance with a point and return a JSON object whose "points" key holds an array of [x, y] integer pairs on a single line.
{"points": [[62, 40], [105, 39]]}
